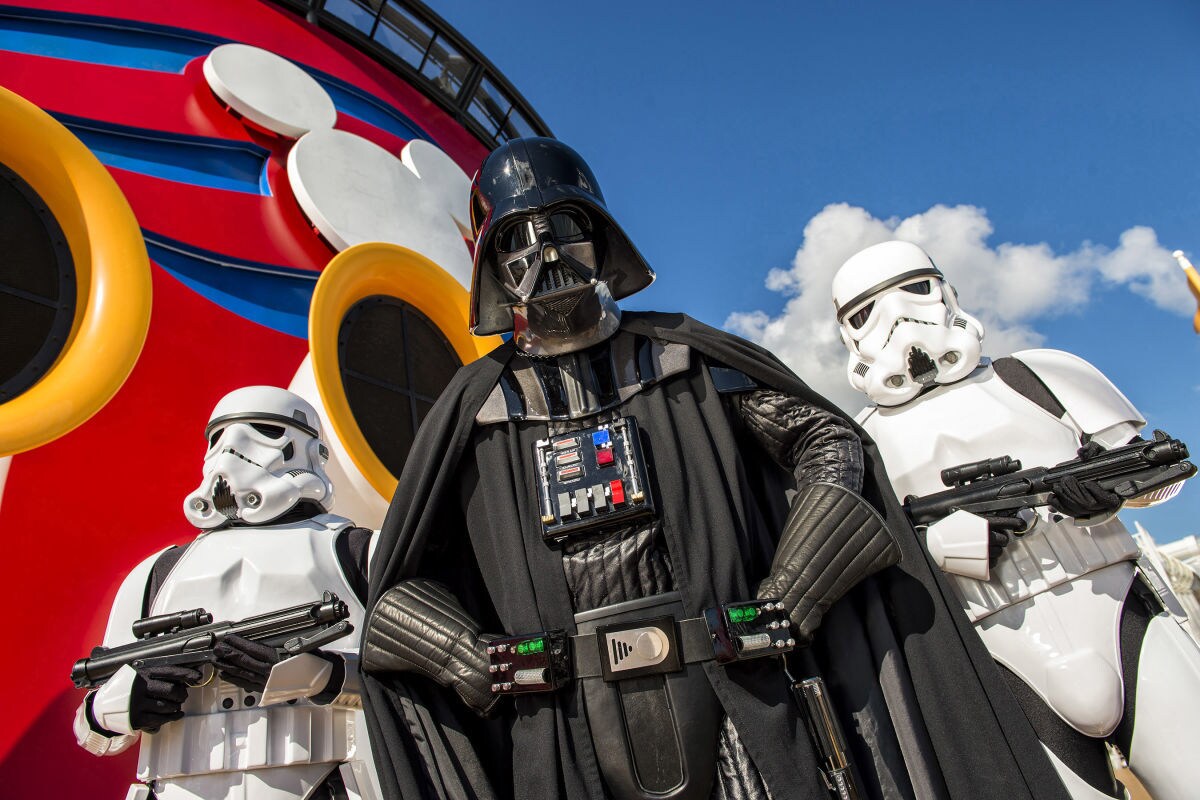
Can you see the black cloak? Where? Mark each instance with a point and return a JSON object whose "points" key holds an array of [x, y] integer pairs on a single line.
{"points": [[924, 708]]}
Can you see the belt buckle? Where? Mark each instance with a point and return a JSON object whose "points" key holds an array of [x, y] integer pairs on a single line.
{"points": [[638, 648]]}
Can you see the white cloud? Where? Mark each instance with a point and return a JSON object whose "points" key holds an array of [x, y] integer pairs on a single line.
{"points": [[1009, 287]]}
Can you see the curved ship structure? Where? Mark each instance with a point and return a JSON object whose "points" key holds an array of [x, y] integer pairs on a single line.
{"points": [[196, 197]]}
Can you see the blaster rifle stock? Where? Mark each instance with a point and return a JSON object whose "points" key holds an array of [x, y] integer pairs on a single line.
{"points": [[1000, 488], [188, 638]]}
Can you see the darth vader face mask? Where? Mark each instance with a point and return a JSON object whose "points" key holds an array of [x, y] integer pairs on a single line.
{"points": [[547, 264], [550, 262], [544, 257]]}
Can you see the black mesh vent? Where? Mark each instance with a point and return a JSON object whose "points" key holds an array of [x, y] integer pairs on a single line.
{"points": [[37, 286], [394, 364]]}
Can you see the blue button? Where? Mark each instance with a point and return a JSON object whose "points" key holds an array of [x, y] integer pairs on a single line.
{"points": [[600, 438]]}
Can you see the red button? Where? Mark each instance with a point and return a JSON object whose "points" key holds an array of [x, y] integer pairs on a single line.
{"points": [[618, 492], [604, 457]]}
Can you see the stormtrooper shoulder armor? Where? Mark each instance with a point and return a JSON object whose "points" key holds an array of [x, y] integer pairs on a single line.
{"points": [[1097, 407]]}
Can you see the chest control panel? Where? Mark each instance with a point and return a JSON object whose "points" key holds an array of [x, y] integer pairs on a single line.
{"points": [[591, 479]]}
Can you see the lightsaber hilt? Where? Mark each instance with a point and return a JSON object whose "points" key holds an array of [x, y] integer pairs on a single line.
{"points": [[812, 697]]}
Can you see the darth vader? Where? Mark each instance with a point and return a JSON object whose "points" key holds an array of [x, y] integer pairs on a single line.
{"points": [[616, 526]]}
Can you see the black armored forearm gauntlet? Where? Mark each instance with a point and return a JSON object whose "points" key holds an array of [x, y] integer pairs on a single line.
{"points": [[419, 626], [832, 540], [815, 445]]}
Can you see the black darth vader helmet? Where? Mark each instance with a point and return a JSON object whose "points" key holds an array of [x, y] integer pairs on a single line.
{"points": [[545, 242]]}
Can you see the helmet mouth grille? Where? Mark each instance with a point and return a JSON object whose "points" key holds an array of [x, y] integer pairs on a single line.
{"points": [[555, 278], [563, 305], [921, 367]]}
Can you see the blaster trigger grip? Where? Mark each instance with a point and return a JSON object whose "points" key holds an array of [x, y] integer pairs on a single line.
{"points": [[300, 644]]}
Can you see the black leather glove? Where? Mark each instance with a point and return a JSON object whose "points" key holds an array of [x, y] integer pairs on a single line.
{"points": [[158, 695], [419, 626], [1001, 532], [832, 540], [244, 663], [1083, 499]]}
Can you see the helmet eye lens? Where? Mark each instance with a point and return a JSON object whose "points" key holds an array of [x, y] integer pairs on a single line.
{"points": [[272, 431], [920, 287], [516, 270], [516, 237], [212, 437], [568, 226], [860, 317]]}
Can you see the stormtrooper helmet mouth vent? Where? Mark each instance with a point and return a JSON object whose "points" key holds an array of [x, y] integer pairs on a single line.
{"points": [[921, 367], [223, 500]]}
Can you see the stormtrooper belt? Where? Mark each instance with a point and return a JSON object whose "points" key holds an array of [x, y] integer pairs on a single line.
{"points": [[547, 660]]}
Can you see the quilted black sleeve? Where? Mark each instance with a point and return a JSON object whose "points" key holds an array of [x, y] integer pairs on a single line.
{"points": [[815, 445]]}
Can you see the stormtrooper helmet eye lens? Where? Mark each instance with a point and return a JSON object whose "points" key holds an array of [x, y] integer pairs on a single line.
{"points": [[516, 237], [860, 317], [569, 225], [273, 431], [212, 437], [920, 287]]}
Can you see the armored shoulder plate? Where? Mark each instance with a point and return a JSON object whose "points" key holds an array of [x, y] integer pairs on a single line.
{"points": [[1097, 408], [578, 385]]}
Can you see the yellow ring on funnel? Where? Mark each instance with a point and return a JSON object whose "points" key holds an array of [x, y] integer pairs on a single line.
{"points": [[112, 274], [365, 270]]}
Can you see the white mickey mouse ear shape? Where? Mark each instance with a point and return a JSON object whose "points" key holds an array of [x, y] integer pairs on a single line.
{"points": [[268, 90], [354, 191], [448, 185]]}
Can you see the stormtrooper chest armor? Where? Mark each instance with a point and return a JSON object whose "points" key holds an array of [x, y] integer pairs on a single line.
{"points": [[239, 572], [227, 744], [983, 417]]}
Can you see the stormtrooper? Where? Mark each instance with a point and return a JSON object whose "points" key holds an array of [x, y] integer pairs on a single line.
{"points": [[1081, 636], [254, 727], [587, 506]]}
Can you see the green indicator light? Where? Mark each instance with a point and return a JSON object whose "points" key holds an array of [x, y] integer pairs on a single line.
{"points": [[532, 646], [743, 614]]}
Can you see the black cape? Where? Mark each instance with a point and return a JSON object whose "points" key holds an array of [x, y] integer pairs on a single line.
{"points": [[923, 705]]}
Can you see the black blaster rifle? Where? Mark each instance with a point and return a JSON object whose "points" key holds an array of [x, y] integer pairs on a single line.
{"points": [[998, 487], [188, 638]]}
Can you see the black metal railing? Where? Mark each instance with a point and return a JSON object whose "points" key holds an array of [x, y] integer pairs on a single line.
{"points": [[412, 40]]}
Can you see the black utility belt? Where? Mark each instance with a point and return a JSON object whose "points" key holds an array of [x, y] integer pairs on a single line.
{"points": [[545, 661]]}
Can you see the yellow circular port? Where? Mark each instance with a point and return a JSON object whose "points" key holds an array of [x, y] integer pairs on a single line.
{"points": [[112, 274]]}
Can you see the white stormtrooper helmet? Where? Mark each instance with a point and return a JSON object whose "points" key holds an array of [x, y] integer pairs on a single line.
{"points": [[902, 324], [264, 457]]}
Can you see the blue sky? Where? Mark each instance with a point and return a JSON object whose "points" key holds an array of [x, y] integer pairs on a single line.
{"points": [[732, 143]]}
